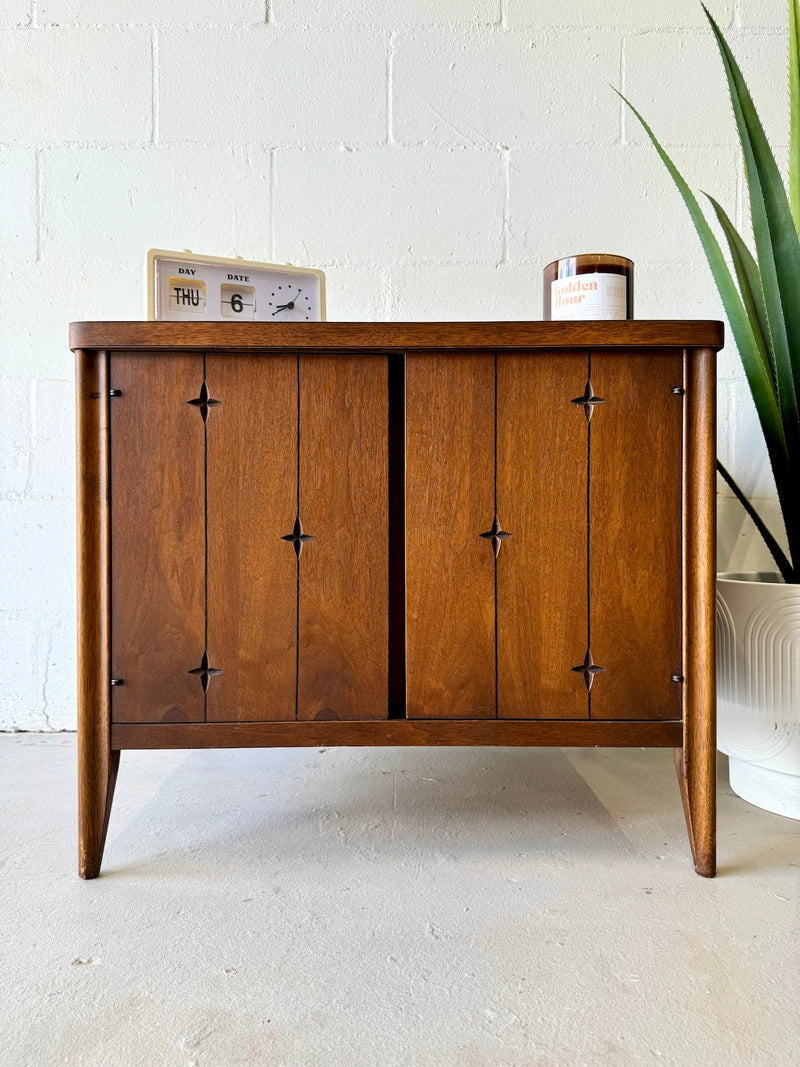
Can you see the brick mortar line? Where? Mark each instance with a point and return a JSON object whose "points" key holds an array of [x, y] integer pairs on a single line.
{"points": [[154, 88], [39, 205], [456, 29], [623, 72], [506, 221], [271, 203], [354, 147], [390, 54]]}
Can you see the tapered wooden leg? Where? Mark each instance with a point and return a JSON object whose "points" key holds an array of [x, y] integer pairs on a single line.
{"points": [[97, 762], [698, 786], [695, 762], [96, 794]]}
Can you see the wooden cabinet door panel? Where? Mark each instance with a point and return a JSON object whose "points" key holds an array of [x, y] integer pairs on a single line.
{"points": [[635, 535], [252, 579], [157, 538], [215, 615], [541, 500], [577, 456], [450, 638], [343, 574]]}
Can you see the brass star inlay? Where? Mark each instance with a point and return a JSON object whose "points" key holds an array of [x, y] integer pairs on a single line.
{"points": [[588, 669], [297, 537], [204, 672], [496, 535], [589, 400], [204, 402]]}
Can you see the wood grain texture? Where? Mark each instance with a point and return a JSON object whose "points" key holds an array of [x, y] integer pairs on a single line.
{"points": [[157, 538], [398, 732], [344, 571], [450, 666], [397, 535], [541, 569], [393, 336], [636, 535], [696, 764], [252, 574], [97, 762]]}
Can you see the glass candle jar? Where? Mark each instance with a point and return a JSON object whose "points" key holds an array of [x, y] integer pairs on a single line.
{"points": [[589, 287]]}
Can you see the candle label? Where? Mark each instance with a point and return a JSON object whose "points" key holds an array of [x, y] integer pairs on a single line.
{"points": [[589, 296]]}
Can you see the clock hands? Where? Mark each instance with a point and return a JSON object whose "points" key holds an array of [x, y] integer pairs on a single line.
{"points": [[289, 306]]}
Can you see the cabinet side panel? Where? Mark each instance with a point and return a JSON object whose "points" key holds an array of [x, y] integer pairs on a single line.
{"points": [[157, 538], [344, 505], [635, 523], [252, 500], [541, 568], [450, 592]]}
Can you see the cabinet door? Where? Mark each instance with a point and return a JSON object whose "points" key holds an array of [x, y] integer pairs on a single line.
{"points": [[635, 535], [541, 500], [298, 537], [496, 490], [157, 538], [543, 556], [343, 575], [450, 634], [252, 580], [249, 537]]}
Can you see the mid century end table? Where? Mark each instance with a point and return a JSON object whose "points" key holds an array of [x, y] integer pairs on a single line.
{"points": [[396, 534]]}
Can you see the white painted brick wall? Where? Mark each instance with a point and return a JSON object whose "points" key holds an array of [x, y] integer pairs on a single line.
{"points": [[608, 190], [150, 12], [630, 16], [19, 218], [497, 86], [68, 84], [195, 195], [674, 79], [275, 84], [430, 155], [391, 204]]}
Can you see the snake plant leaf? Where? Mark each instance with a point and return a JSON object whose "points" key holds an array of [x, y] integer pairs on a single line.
{"points": [[749, 280], [750, 288], [794, 111], [756, 368], [781, 559], [777, 243]]}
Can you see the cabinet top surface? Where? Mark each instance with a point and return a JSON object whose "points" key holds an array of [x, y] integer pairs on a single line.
{"points": [[387, 336]]}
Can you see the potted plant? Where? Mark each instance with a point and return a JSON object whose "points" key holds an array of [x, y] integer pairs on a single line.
{"points": [[758, 615]]}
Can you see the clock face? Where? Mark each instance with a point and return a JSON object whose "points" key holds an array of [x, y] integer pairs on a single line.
{"points": [[293, 299], [183, 287]]}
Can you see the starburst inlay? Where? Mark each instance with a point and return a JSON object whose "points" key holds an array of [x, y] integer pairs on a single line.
{"points": [[496, 535], [204, 672], [297, 537], [589, 400], [204, 402], [588, 669]]}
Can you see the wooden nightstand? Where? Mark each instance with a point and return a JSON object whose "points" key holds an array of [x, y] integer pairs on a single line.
{"points": [[396, 533]]}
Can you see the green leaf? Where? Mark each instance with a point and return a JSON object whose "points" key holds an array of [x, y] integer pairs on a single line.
{"points": [[755, 366], [749, 280], [774, 549], [794, 111], [778, 249]]}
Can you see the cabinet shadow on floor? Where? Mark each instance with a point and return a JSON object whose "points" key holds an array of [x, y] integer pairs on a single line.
{"points": [[401, 806]]}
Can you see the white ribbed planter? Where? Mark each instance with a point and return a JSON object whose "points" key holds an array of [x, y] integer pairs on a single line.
{"points": [[758, 688]]}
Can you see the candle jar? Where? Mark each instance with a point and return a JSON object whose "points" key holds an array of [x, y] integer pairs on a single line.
{"points": [[589, 287]]}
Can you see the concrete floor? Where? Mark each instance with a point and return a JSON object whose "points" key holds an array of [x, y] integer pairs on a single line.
{"points": [[346, 907]]}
